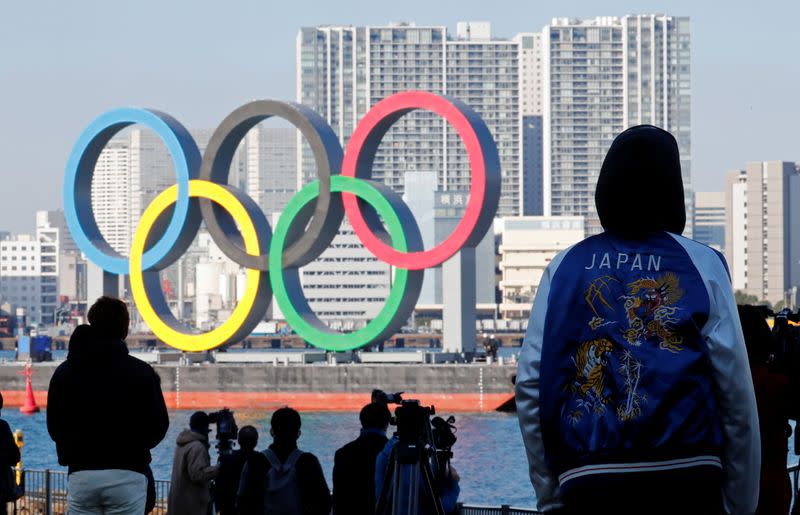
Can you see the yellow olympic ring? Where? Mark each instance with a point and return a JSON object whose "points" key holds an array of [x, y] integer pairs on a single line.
{"points": [[164, 331]]}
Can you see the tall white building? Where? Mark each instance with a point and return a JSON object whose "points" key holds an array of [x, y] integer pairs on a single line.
{"points": [[48, 237], [530, 73], [762, 201], [344, 70], [601, 76], [530, 101], [111, 200]]}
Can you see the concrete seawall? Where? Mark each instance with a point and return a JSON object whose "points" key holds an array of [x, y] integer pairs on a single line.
{"points": [[474, 387]]}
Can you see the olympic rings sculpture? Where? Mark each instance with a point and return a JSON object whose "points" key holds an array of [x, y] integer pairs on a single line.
{"points": [[304, 230]]}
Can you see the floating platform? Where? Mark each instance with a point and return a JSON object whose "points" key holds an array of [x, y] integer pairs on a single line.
{"points": [[476, 387]]}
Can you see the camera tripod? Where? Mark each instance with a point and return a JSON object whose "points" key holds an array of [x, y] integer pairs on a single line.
{"points": [[408, 482]]}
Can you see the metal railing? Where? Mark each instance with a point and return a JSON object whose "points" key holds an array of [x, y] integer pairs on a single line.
{"points": [[46, 494], [493, 510]]}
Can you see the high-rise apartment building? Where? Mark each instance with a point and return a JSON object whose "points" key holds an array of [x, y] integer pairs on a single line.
{"points": [[530, 101], [601, 76], [344, 70], [761, 202], [709, 218], [48, 238], [111, 194]]}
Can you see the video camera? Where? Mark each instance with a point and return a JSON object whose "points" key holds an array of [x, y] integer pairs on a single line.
{"points": [[387, 398], [227, 430], [435, 436]]}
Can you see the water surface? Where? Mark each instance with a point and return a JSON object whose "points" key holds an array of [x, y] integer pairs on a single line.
{"points": [[489, 454]]}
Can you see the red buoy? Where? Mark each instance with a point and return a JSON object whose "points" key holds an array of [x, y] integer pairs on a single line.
{"points": [[30, 407]]}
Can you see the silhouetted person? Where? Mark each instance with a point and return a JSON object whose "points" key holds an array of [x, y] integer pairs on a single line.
{"points": [[354, 464], [105, 412], [773, 397], [192, 472], [448, 487], [283, 479], [230, 471], [9, 457], [633, 389]]}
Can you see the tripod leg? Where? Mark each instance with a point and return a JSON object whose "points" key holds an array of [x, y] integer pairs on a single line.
{"points": [[389, 473], [434, 502], [406, 489]]}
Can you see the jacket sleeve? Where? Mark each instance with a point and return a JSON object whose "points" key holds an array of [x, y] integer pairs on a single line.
{"points": [[741, 456], [55, 421], [10, 451], [381, 464], [250, 495], [316, 495], [339, 482], [544, 481], [243, 491], [449, 496], [158, 420], [198, 463]]}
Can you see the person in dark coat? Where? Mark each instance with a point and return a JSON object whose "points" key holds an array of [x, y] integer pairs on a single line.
{"points": [[105, 412], [773, 398], [302, 489], [230, 471], [9, 453], [192, 471], [354, 464]]}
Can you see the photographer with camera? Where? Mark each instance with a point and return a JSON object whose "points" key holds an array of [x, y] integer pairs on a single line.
{"points": [[417, 459], [283, 480], [354, 464], [192, 472]]}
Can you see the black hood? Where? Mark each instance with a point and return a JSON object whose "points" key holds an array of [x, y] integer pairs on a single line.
{"points": [[640, 188], [86, 343]]}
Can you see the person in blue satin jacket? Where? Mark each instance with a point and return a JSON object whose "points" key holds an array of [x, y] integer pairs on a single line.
{"points": [[633, 389]]}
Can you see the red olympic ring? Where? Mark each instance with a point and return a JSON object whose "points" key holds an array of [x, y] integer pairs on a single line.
{"points": [[484, 187]]}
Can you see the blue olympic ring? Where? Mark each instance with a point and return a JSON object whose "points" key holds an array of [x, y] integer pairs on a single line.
{"points": [[78, 184]]}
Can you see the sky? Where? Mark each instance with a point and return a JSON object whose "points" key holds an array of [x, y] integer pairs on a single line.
{"points": [[62, 63]]}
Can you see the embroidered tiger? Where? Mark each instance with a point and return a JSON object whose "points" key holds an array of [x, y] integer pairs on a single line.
{"points": [[590, 363]]}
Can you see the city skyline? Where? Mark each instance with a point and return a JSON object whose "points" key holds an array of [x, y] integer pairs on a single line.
{"points": [[97, 69]]}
